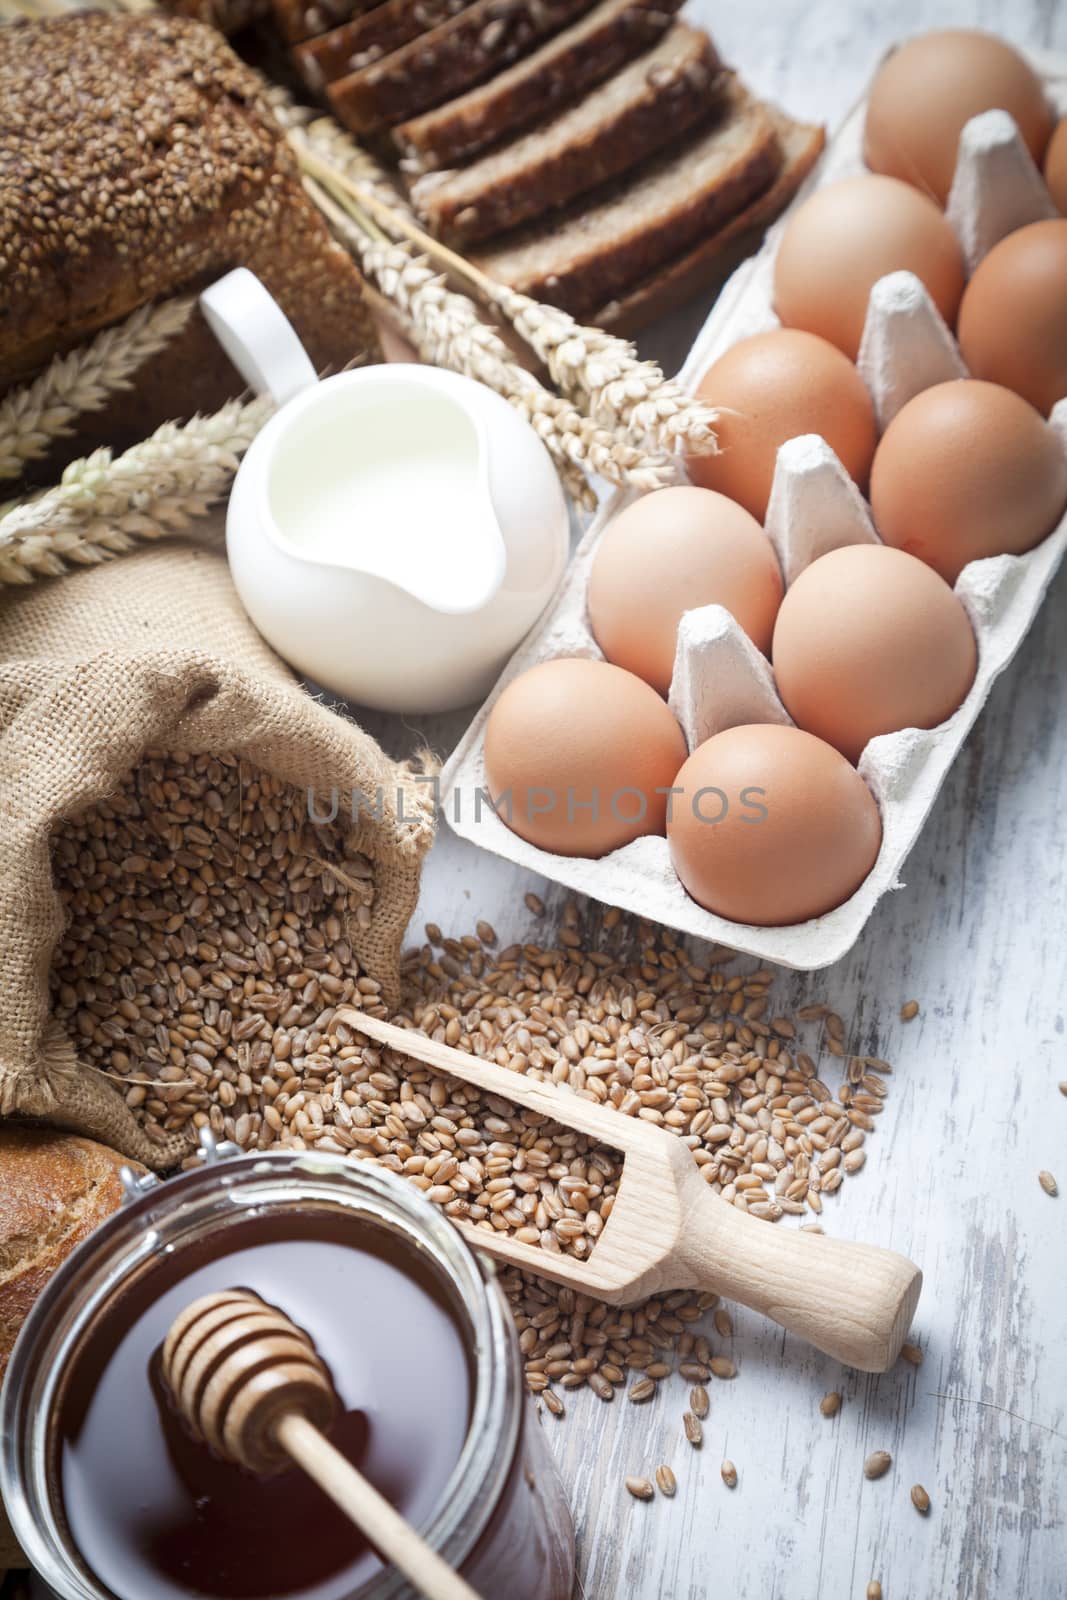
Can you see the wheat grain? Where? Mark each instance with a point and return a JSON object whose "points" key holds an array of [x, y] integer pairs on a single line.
{"points": [[877, 1464], [666, 1482], [729, 1474], [640, 1488], [920, 1499]]}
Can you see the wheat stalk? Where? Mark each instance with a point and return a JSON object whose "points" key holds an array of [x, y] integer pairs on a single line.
{"points": [[447, 330], [595, 369], [33, 417], [104, 505], [621, 389]]}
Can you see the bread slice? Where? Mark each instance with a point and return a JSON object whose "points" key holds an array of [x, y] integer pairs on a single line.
{"points": [[580, 258], [571, 63], [713, 259], [377, 33], [303, 19], [649, 104], [484, 38]]}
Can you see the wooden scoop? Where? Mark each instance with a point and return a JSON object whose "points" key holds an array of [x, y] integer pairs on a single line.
{"points": [[668, 1230], [250, 1383]]}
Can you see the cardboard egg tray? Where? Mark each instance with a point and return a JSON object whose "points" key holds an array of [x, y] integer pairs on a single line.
{"points": [[720, 678]]}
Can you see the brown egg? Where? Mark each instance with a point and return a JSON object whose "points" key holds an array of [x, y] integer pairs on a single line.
{"points": [[772, 827], [927, 91], [1056, 167], [774, 387], [967, 470], [582, 747], [669, 553], [870, 640], [1013, 320], [847, 236]]}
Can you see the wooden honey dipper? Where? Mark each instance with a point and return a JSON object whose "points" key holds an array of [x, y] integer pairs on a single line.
{"points": [[251, 1385]]}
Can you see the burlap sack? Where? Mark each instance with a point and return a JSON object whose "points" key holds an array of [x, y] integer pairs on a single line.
{"points": [[154, 651]]}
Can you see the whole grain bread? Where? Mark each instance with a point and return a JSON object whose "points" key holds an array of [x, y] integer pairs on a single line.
{"points": [[483, 39], [710, 262], [139, 159], [648, 105], [566, 67], [580, 258], [297, 20], [367, 38], [54, 1190]]}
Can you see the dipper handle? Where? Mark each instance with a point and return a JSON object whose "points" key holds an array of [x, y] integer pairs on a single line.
{"points": [[251, 1384]]}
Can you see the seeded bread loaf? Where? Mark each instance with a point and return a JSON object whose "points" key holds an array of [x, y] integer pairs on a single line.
{"points": [[484, 38], [571, 62], [140, 159], [580, 258], [714, 258], [648, 105], [365, 39]]}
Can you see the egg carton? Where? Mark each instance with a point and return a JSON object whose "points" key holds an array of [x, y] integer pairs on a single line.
{"points": [[720, 679]]}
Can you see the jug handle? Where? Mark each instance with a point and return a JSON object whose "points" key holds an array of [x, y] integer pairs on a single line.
{"points": [[257, 336]]}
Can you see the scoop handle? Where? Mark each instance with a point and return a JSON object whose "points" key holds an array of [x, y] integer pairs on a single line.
{"points": [[360, 1501], [855, 1302]]}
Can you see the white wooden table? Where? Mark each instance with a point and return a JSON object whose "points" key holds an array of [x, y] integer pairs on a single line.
{"points": [[979, 937]]}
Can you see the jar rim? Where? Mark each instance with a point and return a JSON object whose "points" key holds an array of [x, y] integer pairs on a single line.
{"points": [[162, 1215]]}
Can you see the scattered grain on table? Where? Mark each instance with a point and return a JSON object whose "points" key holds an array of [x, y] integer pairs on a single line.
{"points": [[666, 1482], [877, 1464], [209, 947], [554, 1403], [724, 1325], [920, 1499], [534, 903], [729, 1474], [693, 1430], [1048, 1183], [909, 1010], [830, 1404], [912, 1353], [640, 1488], [699, 1403], [874, 1590]]}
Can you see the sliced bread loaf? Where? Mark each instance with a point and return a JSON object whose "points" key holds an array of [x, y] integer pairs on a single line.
{"points": [[714, 258], [645, 107], [580, 258], [377, 33], [303, 19], [484, 38], [562, 70]]}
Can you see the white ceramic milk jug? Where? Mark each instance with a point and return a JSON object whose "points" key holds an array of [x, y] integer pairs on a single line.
{"points": [[393, 531]]}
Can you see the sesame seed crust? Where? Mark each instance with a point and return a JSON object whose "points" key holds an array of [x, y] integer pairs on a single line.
{"points": [[139, 157]]}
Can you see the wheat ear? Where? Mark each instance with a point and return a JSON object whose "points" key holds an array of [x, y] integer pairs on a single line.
{"points": [[104, 504], [595, 369], [447, 330], [33, 417]]}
